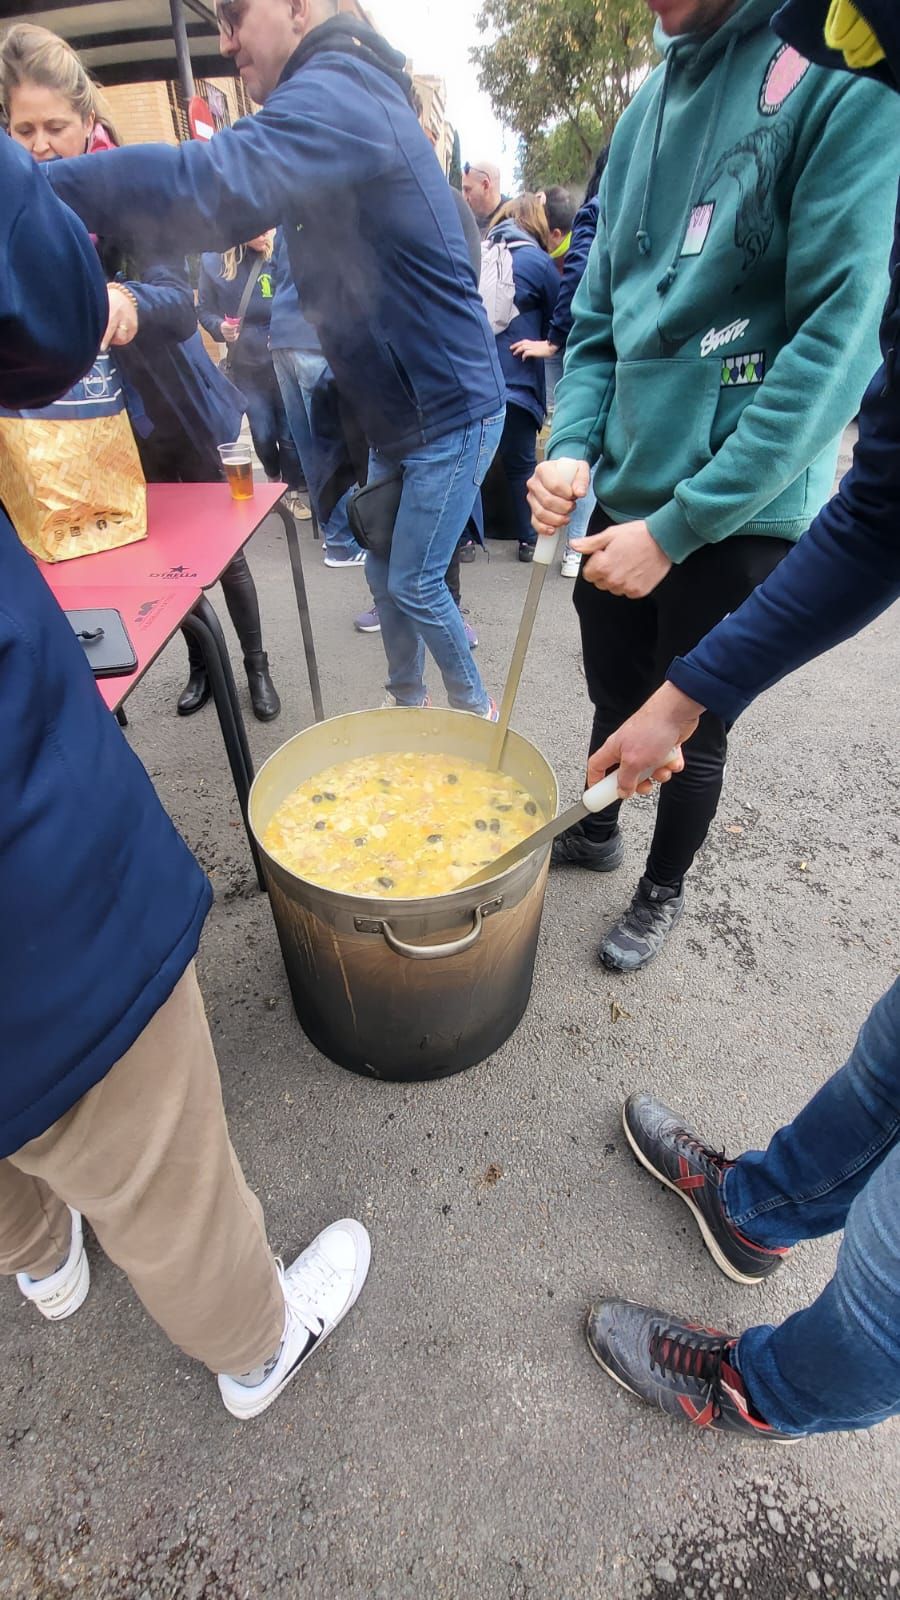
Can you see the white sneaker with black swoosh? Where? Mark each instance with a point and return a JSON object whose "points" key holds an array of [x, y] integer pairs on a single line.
{"points": [[319, 1289]]}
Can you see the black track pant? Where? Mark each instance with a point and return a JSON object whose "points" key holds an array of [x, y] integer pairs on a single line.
{"points": [[628, 648]]}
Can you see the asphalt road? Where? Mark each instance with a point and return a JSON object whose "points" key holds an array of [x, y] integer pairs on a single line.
{"points": [[455, 1437]]}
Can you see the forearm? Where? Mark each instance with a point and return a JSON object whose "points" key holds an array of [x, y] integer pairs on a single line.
{"points": [[165, 301], [844, 572]]}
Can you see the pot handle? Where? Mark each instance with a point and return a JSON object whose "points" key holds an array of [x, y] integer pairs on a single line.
{"points": [[431, 952]]}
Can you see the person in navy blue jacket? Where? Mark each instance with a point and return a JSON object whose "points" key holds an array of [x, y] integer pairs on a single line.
{"points": [[521, 225], [181, 407], [110, 1102], [836, 1363], [552, 349], [223, 280], [377, 251]]}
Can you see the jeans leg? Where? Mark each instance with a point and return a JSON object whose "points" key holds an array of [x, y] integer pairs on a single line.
{"points": [[403, 645], [581, 516], [836, 1365], [803, 1185], [263, 426], [298, 372], [289, 468], [439, 481]]}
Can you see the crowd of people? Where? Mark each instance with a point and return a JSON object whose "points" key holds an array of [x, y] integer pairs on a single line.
{"points": [[717, 299]]}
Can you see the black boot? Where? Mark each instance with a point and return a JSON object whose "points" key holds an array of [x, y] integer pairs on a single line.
{"points": [[243, 608], [263, 694], [196, 691]]}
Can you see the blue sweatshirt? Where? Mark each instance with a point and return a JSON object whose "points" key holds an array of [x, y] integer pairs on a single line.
{"points": [[584, 232], [846, 570], [537, 286], [102, 903], [289, 328], [376, 246]]}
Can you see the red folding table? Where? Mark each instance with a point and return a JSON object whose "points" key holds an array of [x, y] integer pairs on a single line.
{"points": [[194, 531]]}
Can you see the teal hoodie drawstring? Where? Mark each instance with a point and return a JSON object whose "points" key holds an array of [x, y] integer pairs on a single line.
{"points": [[643, 237], [671, 273]]}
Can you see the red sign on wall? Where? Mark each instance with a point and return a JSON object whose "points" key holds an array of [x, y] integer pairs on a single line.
{"points": [[200, 119]]}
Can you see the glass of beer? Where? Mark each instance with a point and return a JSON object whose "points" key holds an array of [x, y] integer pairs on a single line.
{"points": [[238, 463]]}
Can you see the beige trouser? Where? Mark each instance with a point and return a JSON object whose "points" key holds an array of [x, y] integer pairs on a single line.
{"points": [[145, 1156]]}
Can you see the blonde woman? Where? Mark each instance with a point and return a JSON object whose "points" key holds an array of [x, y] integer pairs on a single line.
{"points": [[182, 408], [223, 281], [521, 225]]}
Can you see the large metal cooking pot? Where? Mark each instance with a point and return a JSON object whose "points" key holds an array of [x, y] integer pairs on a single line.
{"points": [[406, 989]]}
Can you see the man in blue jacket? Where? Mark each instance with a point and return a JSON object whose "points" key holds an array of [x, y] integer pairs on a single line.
{"points": [[336, 156], [836, 1364], [110, 1103]]}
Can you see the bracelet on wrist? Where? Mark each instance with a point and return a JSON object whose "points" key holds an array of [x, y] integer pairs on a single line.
{"points": [[128, 293]]}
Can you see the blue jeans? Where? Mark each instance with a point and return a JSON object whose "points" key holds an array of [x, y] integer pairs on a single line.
{"points": [[415, 606], [581, 516], [298, 372], [553, 371], [836, 1364], [272, 439]]}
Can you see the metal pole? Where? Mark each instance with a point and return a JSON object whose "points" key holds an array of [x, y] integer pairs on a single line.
{"points": [[182, 49]]}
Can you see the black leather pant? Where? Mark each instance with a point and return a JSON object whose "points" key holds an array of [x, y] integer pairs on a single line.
{"points": [[243, 608]]}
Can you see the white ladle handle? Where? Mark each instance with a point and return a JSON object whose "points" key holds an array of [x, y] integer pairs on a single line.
{"points": [[604, 793], [548, 543]]}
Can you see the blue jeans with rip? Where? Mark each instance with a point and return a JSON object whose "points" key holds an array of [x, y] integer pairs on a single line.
{"points": [[415, 606], [836, 1364], [298, 372]]}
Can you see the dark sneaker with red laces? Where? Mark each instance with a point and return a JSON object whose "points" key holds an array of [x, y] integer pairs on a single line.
{"points": [[575, 848], [642, 932], [684, 1370], [696, 1172]]}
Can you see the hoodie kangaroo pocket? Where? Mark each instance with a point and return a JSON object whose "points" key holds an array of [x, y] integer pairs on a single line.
{"points": [[659, 431]]}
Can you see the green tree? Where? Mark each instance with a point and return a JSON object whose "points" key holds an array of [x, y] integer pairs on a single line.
{"points": [[562, 71], [455, 175], [558, 157]]}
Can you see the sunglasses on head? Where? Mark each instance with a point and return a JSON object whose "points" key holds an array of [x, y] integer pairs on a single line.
{"points": [[480, 170]]}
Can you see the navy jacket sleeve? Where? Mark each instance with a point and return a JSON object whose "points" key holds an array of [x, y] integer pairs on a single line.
{"points": [[214, 195], [165, 300], [209, 310], [584, 232], [843, 573], [53, 302]]}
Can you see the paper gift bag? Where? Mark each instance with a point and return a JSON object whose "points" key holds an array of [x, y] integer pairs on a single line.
{"points": [[70, 474]]}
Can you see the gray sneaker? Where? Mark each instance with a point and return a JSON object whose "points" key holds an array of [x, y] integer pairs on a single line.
{"points": [[574, 848], [643, 930]]}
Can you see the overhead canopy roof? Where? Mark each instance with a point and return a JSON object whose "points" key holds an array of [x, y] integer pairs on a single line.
{"points": [[126, 41]]}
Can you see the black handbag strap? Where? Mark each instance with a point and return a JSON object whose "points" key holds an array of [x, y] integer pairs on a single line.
{"points": [[249, 287]]}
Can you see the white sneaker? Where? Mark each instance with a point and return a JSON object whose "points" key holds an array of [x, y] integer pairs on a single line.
{"points": [[66, 1289], [319, 1289], [357, 560], [297, 506], [571, 563]]}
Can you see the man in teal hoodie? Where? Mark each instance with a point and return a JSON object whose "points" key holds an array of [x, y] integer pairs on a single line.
{"points": [[724, 333]]}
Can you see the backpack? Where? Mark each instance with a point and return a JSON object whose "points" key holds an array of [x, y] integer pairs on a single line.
{"points": [[497, 285]]}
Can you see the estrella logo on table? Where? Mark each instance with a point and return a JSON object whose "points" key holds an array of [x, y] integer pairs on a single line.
{"points": [[174, 575]]}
